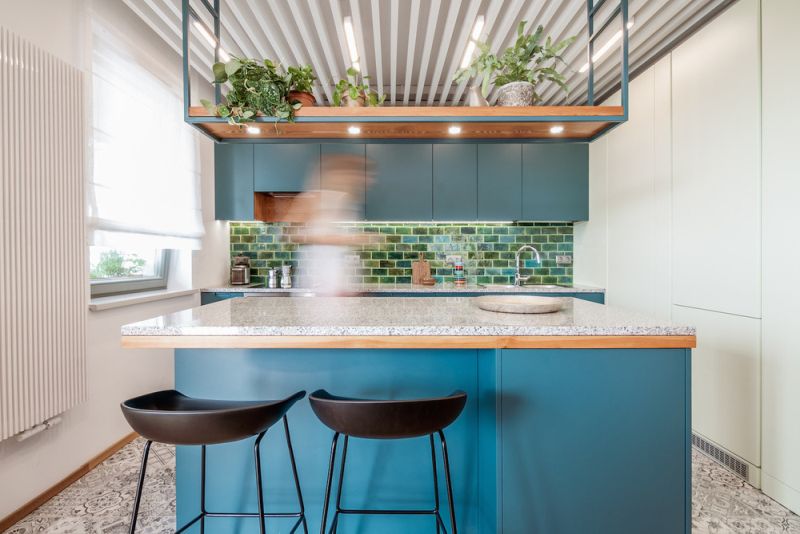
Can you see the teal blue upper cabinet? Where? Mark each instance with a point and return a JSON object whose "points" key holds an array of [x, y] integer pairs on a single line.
{"points": [[455, 182], [351, 149], [499, 182], [284, 167], [403, 183], [233, 181], [555, 182]]}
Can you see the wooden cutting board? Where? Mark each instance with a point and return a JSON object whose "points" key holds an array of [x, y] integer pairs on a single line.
{"points": [[419, 270]]}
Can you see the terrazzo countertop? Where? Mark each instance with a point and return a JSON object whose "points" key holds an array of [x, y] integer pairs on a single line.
{"points": [[355, 317], [411, 288]]}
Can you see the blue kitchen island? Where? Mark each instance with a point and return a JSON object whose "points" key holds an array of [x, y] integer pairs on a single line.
{"points": [[576, 421]]}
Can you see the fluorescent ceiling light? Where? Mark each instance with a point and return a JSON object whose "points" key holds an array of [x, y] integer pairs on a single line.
{"points": [[476, 33], [353, 130], [350, 36], [253, 130], [606, 47], [210, 39], [557, 129], [454, 130]]}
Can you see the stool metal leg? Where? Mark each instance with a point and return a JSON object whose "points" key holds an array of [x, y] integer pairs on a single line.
{"points": [[438, 517], [259, 488], [449, 483], [294, 472], [202, 489], [328, 484], [139, 487], [335, 524]]}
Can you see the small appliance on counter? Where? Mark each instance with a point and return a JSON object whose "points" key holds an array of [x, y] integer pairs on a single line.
{"points": [[240, 272], [272, 278], [286, 276]]}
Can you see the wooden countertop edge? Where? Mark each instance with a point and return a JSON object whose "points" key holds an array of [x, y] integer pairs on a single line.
{"points": [[409, 342]]}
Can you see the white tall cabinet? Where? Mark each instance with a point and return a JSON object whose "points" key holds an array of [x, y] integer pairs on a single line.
{"points": [[781, 253], [706, 224], [716, 224]]}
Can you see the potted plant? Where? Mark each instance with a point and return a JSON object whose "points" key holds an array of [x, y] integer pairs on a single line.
{"points": [[520, 68], [301, 85], [254, 88], [355, 92]]}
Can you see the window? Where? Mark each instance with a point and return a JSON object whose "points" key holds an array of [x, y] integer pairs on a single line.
{"points": [[113, 271], [144, 189]]}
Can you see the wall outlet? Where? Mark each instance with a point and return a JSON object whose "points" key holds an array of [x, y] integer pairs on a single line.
{"points": [[564, 260], [452, 258]]}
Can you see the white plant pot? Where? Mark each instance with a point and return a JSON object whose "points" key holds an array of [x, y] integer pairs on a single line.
{"points": [[515, 94]]}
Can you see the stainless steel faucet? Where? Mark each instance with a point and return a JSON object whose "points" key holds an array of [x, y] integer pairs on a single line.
{"points": [[519, 280]]}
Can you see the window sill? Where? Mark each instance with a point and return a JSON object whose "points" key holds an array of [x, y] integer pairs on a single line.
{"points": [[131, 299]]}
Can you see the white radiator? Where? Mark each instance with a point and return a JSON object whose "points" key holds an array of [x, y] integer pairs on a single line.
{"points": [[43, 276]]}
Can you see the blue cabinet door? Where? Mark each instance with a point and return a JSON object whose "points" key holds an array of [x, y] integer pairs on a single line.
{"points": [[233, 182], [455, 182], [358, 150], [555, 182], [402, 189], [499, 182], [281, 168], [595, 441]]}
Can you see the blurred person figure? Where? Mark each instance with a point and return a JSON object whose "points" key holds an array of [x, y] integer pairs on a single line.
{"points": [[325, 243]]}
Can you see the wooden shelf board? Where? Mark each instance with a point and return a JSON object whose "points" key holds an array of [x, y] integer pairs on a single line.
{"points": [[425, 123]]}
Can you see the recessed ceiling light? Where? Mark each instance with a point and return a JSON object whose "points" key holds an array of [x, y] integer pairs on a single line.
{"points": [[556, 129], [606, 47], [353, 130], [253, 130], [454, 130], [350, 36], [476, 33]]}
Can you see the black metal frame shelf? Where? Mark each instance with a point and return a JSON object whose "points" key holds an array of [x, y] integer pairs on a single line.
{"points": [[580, 122]]}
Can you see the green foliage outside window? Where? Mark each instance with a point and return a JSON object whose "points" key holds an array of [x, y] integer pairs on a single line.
{"points": [[115, 264]]}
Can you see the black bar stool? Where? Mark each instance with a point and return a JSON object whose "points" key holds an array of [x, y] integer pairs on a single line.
{"points": [[171, 417], [387, 419]]}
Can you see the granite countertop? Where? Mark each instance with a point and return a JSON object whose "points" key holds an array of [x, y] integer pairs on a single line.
{"points": [[402, 316], [411, 288]]}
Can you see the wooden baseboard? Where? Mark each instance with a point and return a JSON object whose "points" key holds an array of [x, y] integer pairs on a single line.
{"points": [[19, 514]]}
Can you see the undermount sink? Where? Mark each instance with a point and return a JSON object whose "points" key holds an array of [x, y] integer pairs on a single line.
{"points": [[512, 286]]}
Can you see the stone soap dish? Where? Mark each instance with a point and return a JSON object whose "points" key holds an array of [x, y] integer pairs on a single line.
{"points": [[519, 303]]}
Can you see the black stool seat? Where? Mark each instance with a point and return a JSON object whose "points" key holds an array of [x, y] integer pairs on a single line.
{"points": [[171, 417], [387, 419]]}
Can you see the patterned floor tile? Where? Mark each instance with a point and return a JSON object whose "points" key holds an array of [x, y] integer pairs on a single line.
{"points": [[101, 501]]}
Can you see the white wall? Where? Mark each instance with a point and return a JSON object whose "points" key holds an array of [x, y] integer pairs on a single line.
{"points": [[781, 255], [31, 467], [677, 206]]}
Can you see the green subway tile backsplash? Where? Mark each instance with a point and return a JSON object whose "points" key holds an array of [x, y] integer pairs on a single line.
{"points": [[487, 250]]}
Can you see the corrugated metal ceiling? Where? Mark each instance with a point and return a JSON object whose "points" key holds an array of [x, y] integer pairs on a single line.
{"points": [[411, 49]]}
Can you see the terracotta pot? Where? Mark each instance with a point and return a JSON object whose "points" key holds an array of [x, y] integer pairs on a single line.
{"points": [[516, 94], [359, 102], [306, 99]]}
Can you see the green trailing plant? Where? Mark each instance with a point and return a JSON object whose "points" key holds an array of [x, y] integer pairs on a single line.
{"points": [[254, 88], [301, 78], [355, 87], [527, 60]]}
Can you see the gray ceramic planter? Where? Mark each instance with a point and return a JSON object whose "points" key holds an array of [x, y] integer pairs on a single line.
{"points": [[515, 94]]}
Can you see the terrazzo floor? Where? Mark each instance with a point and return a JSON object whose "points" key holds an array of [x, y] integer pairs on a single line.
{"points": [[100, 502]]}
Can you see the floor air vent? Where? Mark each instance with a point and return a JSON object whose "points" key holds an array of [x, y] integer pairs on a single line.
{"points": [[731, 462]]}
